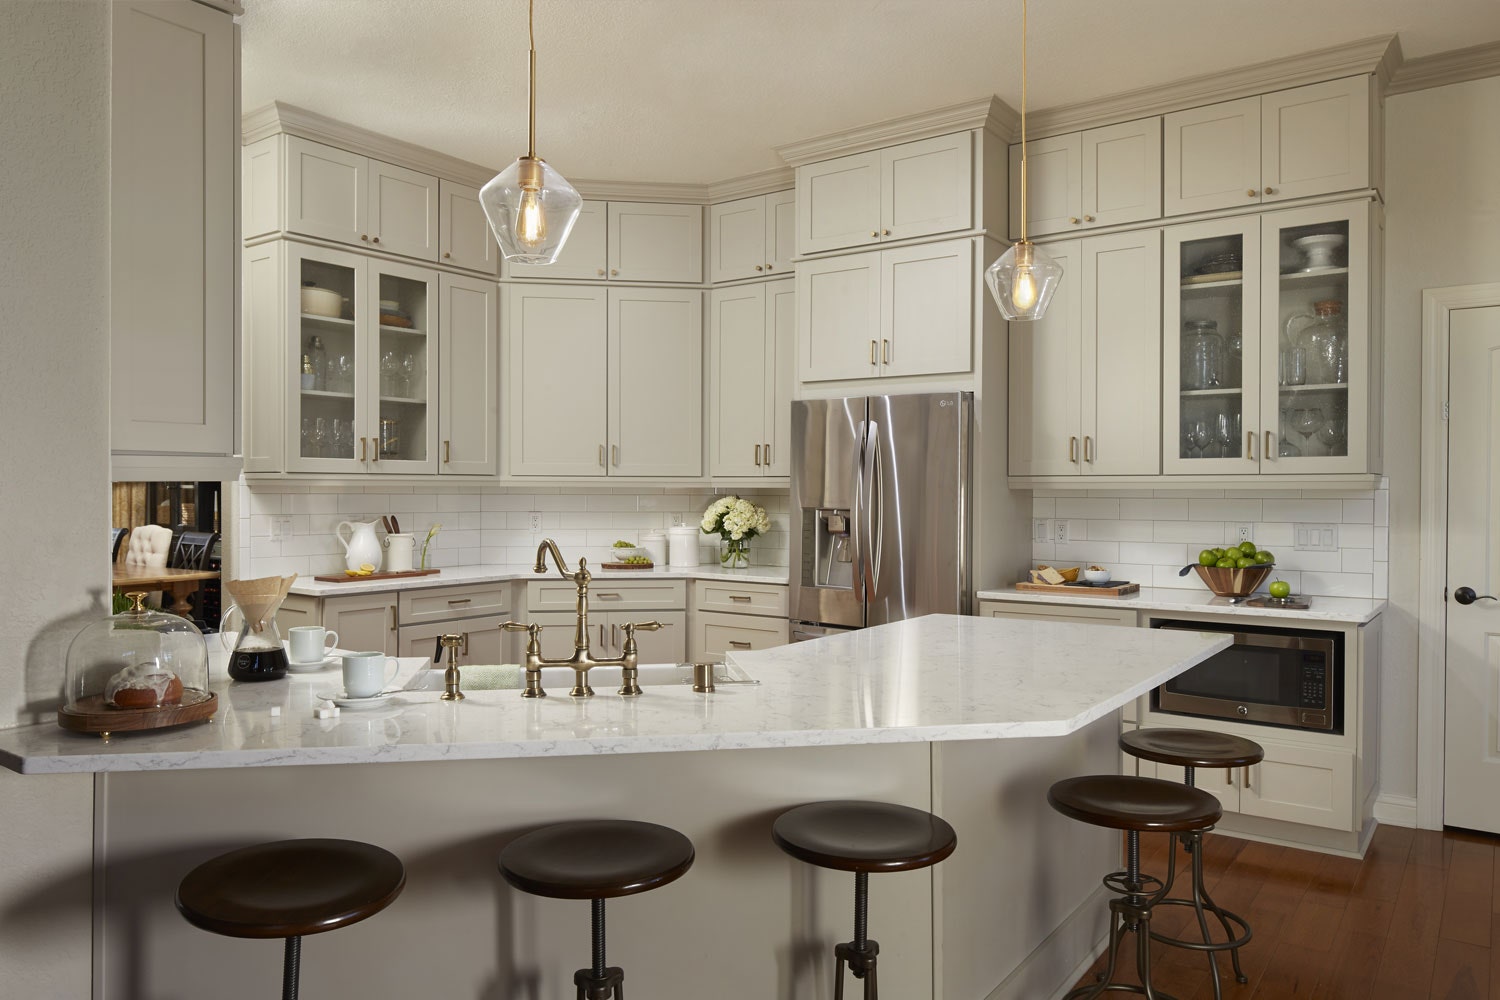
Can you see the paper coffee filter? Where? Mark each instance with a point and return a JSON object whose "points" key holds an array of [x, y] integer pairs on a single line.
{"points": [[259, 600]]}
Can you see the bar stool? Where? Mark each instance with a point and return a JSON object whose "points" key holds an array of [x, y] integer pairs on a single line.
{"points": [[289, 889], [1135, 805], [862, 837], [1191, 749], [596, 860]]}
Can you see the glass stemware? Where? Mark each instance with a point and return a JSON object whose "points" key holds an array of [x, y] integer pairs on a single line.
{"points": [[408, 374], [1201, 436], [1333, 435], [1307, 421], [388, 373], [1227, 435]]}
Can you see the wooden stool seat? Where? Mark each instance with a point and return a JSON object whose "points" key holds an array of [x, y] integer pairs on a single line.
{"points": [[1142, 805], [290, 888], [857, 836], [1191, 748], [595, 859]]}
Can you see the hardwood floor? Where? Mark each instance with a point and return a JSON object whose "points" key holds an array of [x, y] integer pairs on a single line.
{"points": [[1417, 919]]}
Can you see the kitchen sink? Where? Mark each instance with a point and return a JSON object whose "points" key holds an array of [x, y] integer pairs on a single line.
{"points": [[512, 677]]}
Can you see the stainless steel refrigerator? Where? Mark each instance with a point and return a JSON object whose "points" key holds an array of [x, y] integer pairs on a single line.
{"points": [[880, 510]]}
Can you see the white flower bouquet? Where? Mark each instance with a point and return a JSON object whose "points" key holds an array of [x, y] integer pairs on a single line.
{"points": [[736, 521]]}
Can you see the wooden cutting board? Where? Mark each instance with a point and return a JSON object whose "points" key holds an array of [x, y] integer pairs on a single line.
{"points": [[341, 578], [1114, 588]]}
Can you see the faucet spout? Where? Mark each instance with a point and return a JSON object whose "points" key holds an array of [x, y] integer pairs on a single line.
{"points": [[548, 545]]}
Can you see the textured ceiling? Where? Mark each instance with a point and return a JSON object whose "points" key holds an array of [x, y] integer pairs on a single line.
{"points": [[701, 90]]}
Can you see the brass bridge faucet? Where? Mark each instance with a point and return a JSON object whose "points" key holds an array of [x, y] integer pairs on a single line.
{"points": [[582, 660]]}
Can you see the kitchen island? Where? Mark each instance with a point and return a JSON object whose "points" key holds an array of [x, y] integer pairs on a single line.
{"points": [[972, 718]]}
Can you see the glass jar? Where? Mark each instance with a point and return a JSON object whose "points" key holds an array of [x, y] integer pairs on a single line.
{"points": [[1202, 354], [1234, 360], [1325, 344]]}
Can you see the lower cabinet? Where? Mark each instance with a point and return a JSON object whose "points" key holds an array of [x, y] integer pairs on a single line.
{"points": [[364, 622], [1057, 613], [1296, 784], [726, 616], [607, 638], [483, 641]]}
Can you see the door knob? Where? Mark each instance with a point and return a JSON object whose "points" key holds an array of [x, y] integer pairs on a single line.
{"points": [[1466, 595]]}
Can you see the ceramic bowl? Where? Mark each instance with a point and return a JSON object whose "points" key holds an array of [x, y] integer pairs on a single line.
{"points": [[1096, 575]]}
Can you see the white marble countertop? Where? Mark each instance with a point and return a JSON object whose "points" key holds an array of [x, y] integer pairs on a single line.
{"points": [[457, 575], [942, 677], [1329, 609]]}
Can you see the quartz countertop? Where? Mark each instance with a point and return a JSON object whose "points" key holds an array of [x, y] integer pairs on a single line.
{"points": [[1357, 610], [459, 575], [941, 677]]}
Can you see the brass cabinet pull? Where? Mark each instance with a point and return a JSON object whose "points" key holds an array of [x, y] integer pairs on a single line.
{"points": [[1088, 218], [1088, 453], [873, 348], [768, 454], [885, 232], [609, 596], [1268, 455], [874, 232], [601, 636], [1269, 190], [601, 272], [393, 618], [465, 644], [770, 267], [374, 239], [1072, 449], [447, 452], [361, 449], [365, 237], [1250, 445], [1251, 193], [885, 352], [614, 273], [601, 456], [1073, 220], [446, 255], [740, 598], [614, 635], [1229, 772], [735, 643], [759, 267], [757, 454], [1247, 777], [614, 455], [461, 600]]}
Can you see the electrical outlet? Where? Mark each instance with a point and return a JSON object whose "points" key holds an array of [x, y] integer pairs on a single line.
{"points": [[1060, 530], [679, 520], [1244, 531], [1315, 537], [536, 520], [1040, 530], [281, 527]]}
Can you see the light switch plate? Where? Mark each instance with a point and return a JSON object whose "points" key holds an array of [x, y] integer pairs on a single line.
{"points": [[1315, 537], [281, 527], [1041, 531]]}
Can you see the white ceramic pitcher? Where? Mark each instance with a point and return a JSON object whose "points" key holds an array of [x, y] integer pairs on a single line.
{"points": [[361, 546], [398, 550]]}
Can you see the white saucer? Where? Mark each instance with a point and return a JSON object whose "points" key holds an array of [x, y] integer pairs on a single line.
{"points": [[344, 701], [311, 667]]}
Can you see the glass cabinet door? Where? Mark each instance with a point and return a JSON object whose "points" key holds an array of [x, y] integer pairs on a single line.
{"points": [[326, 359], [1315, 342], [1211, 358], [402, 375]]}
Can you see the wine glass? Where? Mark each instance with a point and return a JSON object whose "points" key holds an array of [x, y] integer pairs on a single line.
{"points": [[1201, 436], [1227, 435], [307, 438], [408, 374], [1307, 421], [320, 437], [389, 368], [1333, 434]]}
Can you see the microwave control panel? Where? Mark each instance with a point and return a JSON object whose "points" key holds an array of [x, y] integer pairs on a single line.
{"points": [[1314, 686]]}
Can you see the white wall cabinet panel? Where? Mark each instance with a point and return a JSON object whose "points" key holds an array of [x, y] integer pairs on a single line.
{"points": [[1122, 173], [655, 382], [781, 321], [1054, 185], [1211, 157], [738, 375], [326, 192], [366, 622], [737, 239], [469, 385], [403, 211], [926, 187], [652, 242], [174, 122], [584, 257], [1316, 139], [838, 318], [263, 382], [1121, 340], [838, 202], [557, 416], [715, 634], [260, 186], [1046, 357], [1299, 784], [465, 232], [926, 314], [781, 231]]}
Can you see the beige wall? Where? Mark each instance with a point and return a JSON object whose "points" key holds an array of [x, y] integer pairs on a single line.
{"points": [[1442, 228], [54, 471]]}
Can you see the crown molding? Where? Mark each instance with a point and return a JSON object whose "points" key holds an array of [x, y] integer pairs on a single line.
{"points": [[1443, 68], [682, 194], [227, 6], [750, 185], [277, 117], [989, 113], [1378, 56]]}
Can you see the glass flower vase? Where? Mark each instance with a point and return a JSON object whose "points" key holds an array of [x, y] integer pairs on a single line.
{"points": [[734, 553]]}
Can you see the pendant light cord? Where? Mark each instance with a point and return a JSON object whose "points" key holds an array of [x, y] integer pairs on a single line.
{"points": [[531, 91], [1023, 121]]}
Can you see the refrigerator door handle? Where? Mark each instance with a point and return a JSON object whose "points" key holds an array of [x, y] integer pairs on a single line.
{"points": [[867, 551], [857, 515], [876, 534]]}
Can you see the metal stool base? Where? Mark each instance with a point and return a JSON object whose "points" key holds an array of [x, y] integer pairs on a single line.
{"points": [[592, 986], [1236, 928], [1129, 912]]}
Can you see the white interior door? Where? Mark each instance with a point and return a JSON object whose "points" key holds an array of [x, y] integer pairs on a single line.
{"points": [[1471, 786]]}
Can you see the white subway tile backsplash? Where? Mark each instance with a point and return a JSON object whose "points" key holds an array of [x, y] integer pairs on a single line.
{"points": [[1358, 561], [1084, 553], [458, 502], [1274, 534], [1305, 509], [1382, 545], [1156, 553], [1088, 507], [1117, 531], [1356, 536], [1224, 510], [1339, 584], [1159, 509], [1382, 507], [1323, 562], [1382, 581], [1200, 534], [1359, 511], [1043, 507]]}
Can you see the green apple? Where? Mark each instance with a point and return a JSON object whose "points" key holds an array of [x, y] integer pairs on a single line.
{"points": [[1207, 557], [1227, 563], [1265, 558], [1280, 589], [1244, 562], [1248, 548]]}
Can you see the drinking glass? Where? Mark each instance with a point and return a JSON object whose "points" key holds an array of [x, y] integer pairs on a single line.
{"points": [[408, 374], [1227, 435], [1307, 421], [1333, 435], [343, 374], [320, 437], [307, 437], [389, 368], [1201, 436]]}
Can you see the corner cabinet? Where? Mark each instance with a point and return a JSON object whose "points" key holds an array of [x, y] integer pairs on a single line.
{"points": [[632, 401], [627, 241], [751, 332], [752, 237]]}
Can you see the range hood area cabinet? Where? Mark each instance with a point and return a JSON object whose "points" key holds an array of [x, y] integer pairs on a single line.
{"points": [[404, 376], [604, 382], [173, 116]]}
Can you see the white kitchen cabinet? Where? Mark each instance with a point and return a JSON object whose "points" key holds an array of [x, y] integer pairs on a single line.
{"points": [[557, 413], [174, 119], [327, 192], [1084, 379], [464, 231], [607, 639], [655, 382], [585, 255], [469, 379], [900, 192], [1099, 177], [1030, 611], [482, 641], [364, 622], [556, 594], [652, 242], [1289, 144], [904, 311], [752, 237], [1294, 784], [714, 635], [427, 605], [403, 212], [752, 329]]}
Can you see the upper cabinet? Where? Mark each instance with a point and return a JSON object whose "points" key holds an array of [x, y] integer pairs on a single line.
{"points": [[296, 186], [175, 126], [1100, 177], [1290, 144], [751, 332], [628, 241], [752, 237], [901, 192]]}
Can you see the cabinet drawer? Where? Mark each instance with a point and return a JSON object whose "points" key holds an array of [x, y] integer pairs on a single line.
{"points": [[607, 595], [483, 640], [607, 638], [444, 603], [715, 634], [739, 598], [1057, 613]]}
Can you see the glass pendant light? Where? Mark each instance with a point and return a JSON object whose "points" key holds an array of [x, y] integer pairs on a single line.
{"points": [[531, 208], [1024, 278]]}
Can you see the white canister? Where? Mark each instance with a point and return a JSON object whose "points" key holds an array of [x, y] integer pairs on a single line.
{"points": [[654, 541], [684, 546], [398, 552]]}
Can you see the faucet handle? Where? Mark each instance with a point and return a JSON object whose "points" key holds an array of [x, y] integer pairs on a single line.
{"points": [[651, 626], [532, 627]]}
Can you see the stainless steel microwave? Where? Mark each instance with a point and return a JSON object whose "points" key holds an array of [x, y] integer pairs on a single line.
{"points": [[1270, 676]]}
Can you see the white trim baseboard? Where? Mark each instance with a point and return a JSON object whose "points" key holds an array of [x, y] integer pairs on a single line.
{"points": [[1396, 810]]}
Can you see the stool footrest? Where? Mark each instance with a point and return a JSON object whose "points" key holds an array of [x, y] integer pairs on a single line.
{"points": [[1240, 922]]}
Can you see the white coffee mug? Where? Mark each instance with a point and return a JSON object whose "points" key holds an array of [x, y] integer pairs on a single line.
{"points": [[367, 674], [310, 643]]}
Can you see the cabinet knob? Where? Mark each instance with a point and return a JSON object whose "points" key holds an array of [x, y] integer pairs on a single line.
{"points": [[365, 237], [374, 239], [770, 267], [1270, 190], [1088, 218], [874, 232], [1251, 193], [601, 272], [613, 273], [885, 232], [446, 255], [1072, 220], [759, 268]]}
